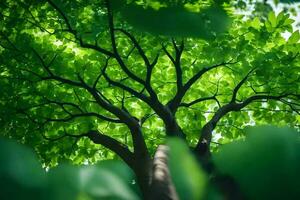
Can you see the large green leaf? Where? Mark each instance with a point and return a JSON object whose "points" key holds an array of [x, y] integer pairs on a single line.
{"points": [[176, 20], [21, 175], [189, 186], [20, 171], [103, 181], [265, 165]]}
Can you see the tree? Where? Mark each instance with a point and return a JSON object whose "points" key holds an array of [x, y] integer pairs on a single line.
{"points": [[79, 74]]}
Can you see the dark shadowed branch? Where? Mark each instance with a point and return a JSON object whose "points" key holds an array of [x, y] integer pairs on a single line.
{"points": [[123, 116], [206, 132], [174, 103], [176, 61], [71, 30], [99, 138]]}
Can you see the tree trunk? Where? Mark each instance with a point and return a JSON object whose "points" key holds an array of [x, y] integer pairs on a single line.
{"points": [[143, 172], [162, 187], [153, 177]]}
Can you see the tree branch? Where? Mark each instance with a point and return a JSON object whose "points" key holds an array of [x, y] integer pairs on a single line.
{"points": [[75, 34], [125, 117], [141, 96], [153, 101], [202, 146], [176, 61], [174, 103], [90, 114], [198, 101], [119, 148], [114, 46], [98, 138], [239, 85], [148, 65]]}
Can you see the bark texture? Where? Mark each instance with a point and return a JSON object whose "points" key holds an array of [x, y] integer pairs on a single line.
{"points": [[154, 177], [162, 187]]}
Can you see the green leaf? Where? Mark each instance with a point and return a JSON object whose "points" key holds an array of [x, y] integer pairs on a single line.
{"points": [[189, 186], [21, 175], [176, 20], [261, 171], [256, 23], [110, 180], [294, 38], [272, 19]]}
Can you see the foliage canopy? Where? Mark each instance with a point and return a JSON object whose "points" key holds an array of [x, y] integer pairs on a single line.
{"points": [[62, 73], [125, 75]]}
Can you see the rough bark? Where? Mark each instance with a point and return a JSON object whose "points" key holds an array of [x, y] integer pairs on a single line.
{"points": [[143, 172], [161, 187], [153, 176]]}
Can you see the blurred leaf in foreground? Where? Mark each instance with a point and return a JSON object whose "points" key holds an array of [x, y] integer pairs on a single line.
{"points": [[266, 165], [175, 21], [100, 181], [21, 175], [189, 179]]}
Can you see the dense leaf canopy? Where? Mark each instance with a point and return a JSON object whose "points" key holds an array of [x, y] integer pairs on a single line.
{"points": [[75, 74]]}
